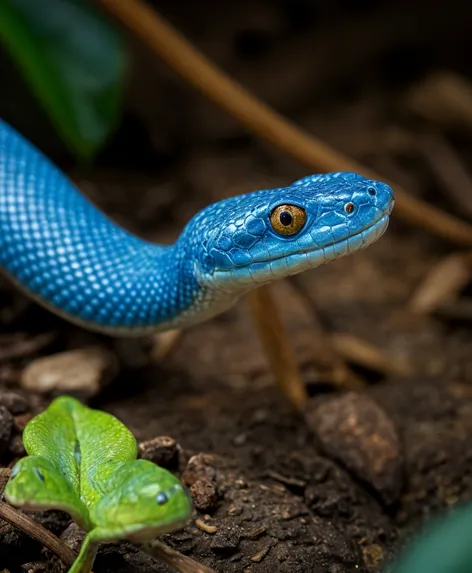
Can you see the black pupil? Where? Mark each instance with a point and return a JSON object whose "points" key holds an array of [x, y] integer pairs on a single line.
{"points": [[162, 498], [286, 218]]}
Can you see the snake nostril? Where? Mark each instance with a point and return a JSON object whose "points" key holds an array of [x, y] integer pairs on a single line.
{"points": [[349, 208], [372, 191]]}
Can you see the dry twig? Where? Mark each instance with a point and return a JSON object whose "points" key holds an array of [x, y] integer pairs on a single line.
{"points": [[174, 559], [200, 72], [447, 168], [37, 532], [26, 347], [329, 362], [277, 346], [367, 355], [442, 284]]}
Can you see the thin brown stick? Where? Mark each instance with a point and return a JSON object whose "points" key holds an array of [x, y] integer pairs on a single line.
{"points": [[4, 477], [31, 528], [277, 346], [200, 72], [37, 532], [26, 347], [329, 361], [174, 559], [66, 555], [448, 169], [442, 283]]}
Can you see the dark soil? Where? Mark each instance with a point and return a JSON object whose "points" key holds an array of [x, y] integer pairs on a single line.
{"points": [[258, 473]]}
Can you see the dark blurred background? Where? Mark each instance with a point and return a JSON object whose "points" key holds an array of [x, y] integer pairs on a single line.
{"points": [[342, 69]]}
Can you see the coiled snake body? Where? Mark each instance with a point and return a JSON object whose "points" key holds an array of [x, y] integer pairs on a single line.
{"points": [[64, 252]]}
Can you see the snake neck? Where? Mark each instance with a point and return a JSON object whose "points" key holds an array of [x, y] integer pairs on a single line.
{"points": [[66, 254]]}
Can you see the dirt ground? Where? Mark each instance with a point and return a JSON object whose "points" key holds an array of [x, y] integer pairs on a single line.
{"points": [[278, 491], [342, 487]]}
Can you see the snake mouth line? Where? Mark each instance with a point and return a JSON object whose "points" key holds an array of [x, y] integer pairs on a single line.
{"points": [[264, 271], [365, 231], [256, 273]]}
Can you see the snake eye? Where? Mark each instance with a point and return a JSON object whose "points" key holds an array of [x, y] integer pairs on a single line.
{"points": [[287, 219], [161, 498], [371, 191], [349, 208]]}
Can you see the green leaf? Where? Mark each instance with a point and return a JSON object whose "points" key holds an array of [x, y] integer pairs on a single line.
{"points": [[75, 448], [83, 461], [74, 60], [27, 489], [445, 546]]}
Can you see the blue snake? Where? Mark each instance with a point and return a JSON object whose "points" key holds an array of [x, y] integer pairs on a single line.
{"points": [[65, 253]]}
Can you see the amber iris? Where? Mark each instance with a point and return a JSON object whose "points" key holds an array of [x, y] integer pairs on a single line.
{"points": [[287, 219]]}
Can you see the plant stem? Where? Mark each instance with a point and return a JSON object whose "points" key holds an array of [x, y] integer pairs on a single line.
{"points": [[37, 532], [277, 346], [174, 559], [88, 551]]}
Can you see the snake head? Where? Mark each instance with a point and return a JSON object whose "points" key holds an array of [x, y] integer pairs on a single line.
{"points": [[149, 501], [266, 235]]}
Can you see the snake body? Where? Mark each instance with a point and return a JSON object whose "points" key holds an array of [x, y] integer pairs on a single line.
{"points": [[64, 252]]}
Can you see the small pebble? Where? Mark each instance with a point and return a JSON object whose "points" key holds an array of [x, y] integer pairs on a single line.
{"points": [[255, 532], [37, 567], [357, 432], [13, 402], [17, 448], [235, 510], [204, 495], [198, 467], [21, 421], [81, 373], [240, 439], [73, 537], [225, 541], [258, 557], [163, 451], [373, 556], [6, 427]]}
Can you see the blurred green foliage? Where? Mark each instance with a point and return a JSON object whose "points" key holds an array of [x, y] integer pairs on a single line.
{"points": [[75, 62], [444, 546]]}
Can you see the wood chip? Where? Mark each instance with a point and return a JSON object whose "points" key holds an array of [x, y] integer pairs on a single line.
{"points": [[174, 559], [367, 355], [449, 171], [460, 309], [442, 284], [81, 373], [4, 477], [26, 347], [163, 344], [444, 98], [206, 527], [258, 557], [290, 481], [330, 364]]}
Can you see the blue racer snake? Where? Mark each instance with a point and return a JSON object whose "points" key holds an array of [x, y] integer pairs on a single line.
{"points": [[65, 253]]}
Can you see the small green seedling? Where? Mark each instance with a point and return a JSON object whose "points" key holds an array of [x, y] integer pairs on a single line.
{"points": [[83, 461]]}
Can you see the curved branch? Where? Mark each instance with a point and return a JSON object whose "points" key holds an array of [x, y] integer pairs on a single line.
{"points": [[200, 72]]}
